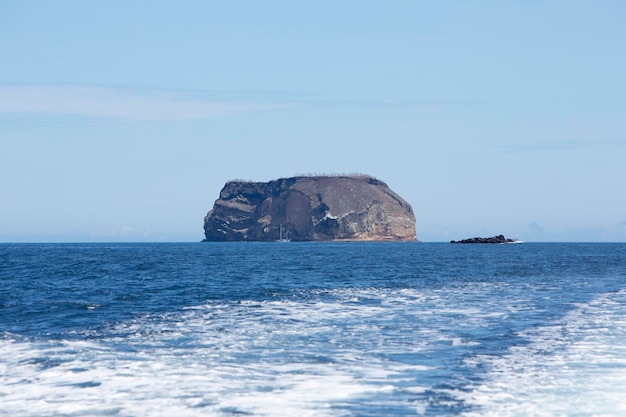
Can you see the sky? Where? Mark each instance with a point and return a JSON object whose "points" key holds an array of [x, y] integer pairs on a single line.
{"points": [[122, 121]]}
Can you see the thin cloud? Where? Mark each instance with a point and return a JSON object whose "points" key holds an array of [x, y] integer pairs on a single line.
{"points": [[550, 146], [123, 104]]}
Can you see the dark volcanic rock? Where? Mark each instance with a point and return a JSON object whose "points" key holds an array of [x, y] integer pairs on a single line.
{"points": [[495, 239], [310, 208]]}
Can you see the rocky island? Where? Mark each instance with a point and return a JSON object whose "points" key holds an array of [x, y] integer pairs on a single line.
{"points": [[310, 208], [494, 239]]}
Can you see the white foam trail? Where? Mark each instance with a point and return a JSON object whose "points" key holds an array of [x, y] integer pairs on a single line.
{"points": [[274, 358], [322, 354], [574, 367]]}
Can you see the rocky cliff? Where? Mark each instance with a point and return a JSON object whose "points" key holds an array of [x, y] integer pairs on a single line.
{"points": [[324, 208]]}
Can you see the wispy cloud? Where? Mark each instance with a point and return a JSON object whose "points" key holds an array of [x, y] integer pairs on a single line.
{"points": [[125, 104], [135, 104], [566, 145]]}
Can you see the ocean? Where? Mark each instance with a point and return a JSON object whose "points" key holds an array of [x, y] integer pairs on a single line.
{"points": [[313, 329]]}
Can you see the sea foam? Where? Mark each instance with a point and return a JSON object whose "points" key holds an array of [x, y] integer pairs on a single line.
{"points": [[576, 365]]}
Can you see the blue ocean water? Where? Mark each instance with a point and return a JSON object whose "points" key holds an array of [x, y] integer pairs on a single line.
{"points": [[313, 329]]}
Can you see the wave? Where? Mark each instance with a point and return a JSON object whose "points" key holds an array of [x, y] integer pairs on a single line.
{"points": [[270, 358], [330, 352], [576, 365]]}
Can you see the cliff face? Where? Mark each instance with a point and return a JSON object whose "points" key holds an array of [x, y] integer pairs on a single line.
{"points": [[310, 208]]}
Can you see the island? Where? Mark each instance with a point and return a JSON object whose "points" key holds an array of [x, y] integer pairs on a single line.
{"points": [[310, 208], [494, 239]]}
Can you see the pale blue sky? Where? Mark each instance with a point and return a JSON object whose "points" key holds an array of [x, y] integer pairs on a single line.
{"points": [[122, 120]]}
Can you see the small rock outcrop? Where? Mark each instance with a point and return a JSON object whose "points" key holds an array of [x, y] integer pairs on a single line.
{"points": [[310, 208], [494, 239]]}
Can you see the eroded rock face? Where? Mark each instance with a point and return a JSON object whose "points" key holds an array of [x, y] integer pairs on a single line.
{"points": [[322, 208]]}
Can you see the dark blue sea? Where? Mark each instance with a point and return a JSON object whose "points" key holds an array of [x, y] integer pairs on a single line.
{"points": [[313, 329]]}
